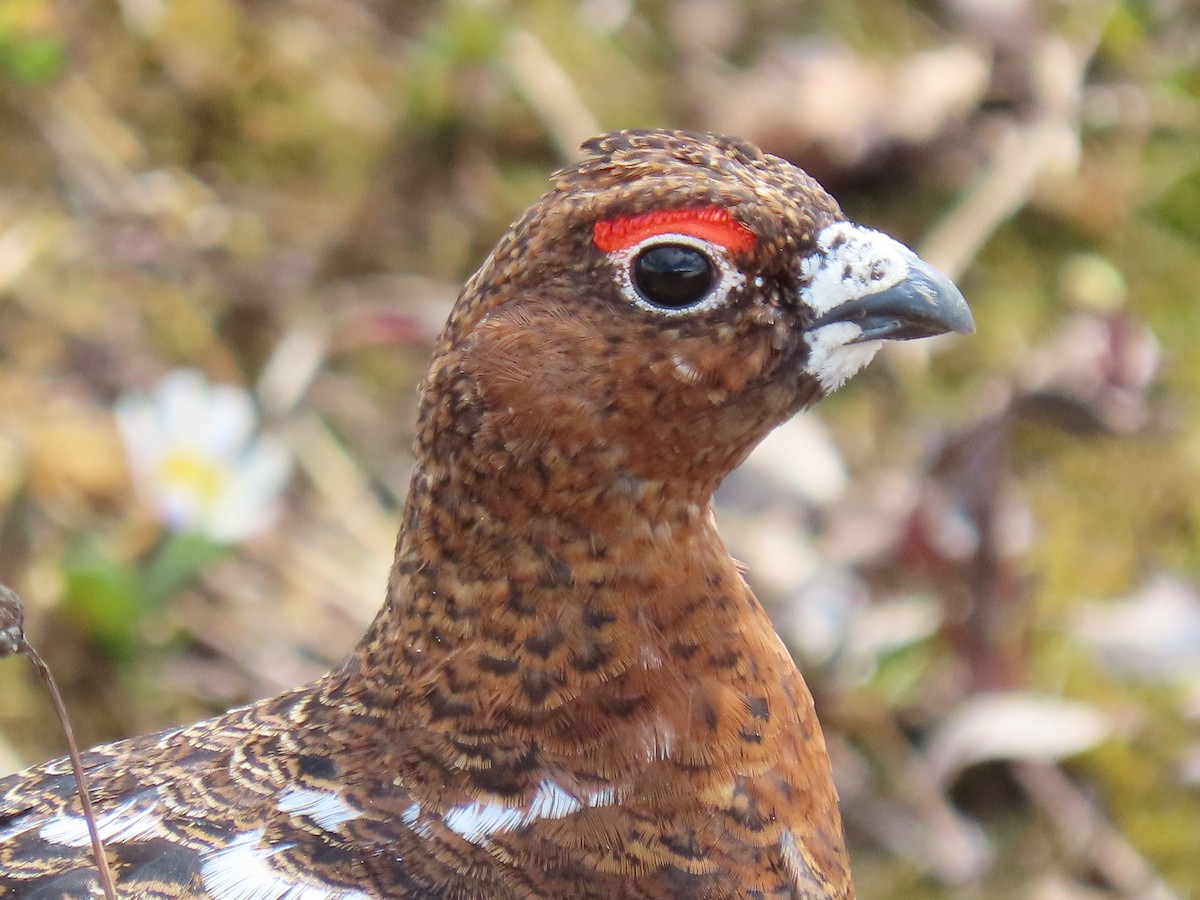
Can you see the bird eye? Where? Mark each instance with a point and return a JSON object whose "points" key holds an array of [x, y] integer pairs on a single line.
{"points": [[673, 276]]}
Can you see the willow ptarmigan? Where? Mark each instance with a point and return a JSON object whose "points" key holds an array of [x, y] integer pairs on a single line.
{"points": [[570, 691]]}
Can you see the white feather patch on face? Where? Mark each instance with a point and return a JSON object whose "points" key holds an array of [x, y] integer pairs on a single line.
{"points": [[832, 358], [242, 870], [133, 820], [477, 822], [325, 808], [683, 370], [851, 262]]}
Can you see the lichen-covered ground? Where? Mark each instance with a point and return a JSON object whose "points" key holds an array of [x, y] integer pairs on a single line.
{"points": [[985, 552]]}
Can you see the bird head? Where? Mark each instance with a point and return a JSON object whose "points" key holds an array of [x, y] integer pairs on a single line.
{"points": [[671, 299]]}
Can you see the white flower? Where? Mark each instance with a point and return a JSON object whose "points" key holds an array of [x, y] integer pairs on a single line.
{"points": [[196, 458]]}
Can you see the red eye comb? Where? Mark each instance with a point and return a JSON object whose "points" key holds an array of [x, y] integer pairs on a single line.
{"points": [[709, 224]]}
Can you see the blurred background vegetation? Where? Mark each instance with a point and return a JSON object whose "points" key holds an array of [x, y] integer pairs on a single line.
{"points": [[985, 552]]}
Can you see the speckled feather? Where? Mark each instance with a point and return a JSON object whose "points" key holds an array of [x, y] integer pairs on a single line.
{"points": [[570, 690]]}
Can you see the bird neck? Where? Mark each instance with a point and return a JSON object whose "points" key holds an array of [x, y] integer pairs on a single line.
{"points": [[617, 619], [530, 566], [540, 537], [554, 598]]}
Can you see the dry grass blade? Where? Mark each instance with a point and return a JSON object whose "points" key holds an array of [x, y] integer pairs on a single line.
{"points": [[1086, 833], [12, 641]]}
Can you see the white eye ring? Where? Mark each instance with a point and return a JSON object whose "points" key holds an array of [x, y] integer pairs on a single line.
{"points": [[728, 276]]}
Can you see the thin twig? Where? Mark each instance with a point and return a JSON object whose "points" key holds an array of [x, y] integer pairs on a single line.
{"points": [[12, 640], [549, 91], [1085, 831]]}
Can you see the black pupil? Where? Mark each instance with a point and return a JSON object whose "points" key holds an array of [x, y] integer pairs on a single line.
{"points": [[673, 276]]}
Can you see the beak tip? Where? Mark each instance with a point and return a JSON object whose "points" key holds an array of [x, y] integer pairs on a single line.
{"points": [[957, 314], [942, 309]]}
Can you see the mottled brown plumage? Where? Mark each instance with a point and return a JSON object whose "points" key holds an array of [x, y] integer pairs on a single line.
{"points": [[570, 690]]}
